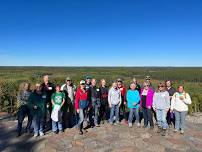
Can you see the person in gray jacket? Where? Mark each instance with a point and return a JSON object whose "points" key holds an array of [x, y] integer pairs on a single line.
{"points": [[114, 99], [161, 105]]}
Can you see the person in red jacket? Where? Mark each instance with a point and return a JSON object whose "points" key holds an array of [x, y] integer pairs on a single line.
{"points": [[82, 104], [122, 88]]}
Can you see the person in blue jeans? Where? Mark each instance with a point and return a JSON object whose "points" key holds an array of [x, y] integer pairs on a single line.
{"points": [[23, 110], [114, 99], [133, 103], [179, 104], [58, 100], [36, 104], [161, 105]]}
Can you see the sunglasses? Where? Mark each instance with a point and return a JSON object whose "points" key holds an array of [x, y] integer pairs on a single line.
{"points": [[83, 84], [146, 85]]}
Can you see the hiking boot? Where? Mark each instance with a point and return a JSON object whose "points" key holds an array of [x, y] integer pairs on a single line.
{"points": [[41, 134], [36, 135], [163, 132]]}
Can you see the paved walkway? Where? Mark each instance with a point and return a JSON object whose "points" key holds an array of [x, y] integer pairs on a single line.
{"points": [[107, 138]]}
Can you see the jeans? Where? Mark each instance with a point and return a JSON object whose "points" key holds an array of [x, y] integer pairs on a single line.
{"points": [[82, 117], [180, 119], [38, 124], [133, 111], [23, 111], [58, 125], [114, 108], [161, 118], [148, 116], [96, 114], [123, 111]]}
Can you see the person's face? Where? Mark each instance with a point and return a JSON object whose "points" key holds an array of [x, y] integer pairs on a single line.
{"points": [[38, 88], [168, 84], [114, 85], [45, 78], [57, 88], [146, 86], [103, 83], [26, 86], [181, 89], [132, 86], [134, 81], [93, 82], [68, 82], [83, 86], [119, 83], [161, 88], [88, 81]]}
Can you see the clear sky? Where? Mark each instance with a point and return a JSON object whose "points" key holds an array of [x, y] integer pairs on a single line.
{"points": [[101, 32]]}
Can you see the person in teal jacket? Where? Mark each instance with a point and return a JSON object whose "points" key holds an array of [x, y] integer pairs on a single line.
{"points": [[133, 103], [36, 104]]}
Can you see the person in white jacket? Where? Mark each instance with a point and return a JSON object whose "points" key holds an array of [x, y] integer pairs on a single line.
{"points": [[114, 99], [179, 104]]}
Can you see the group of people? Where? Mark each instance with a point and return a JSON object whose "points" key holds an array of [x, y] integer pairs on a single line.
{"points": [[57, 107]]}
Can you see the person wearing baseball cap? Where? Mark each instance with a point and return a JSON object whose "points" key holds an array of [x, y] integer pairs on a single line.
{"points": [[88, 81], [69, 90], [82, 104]]}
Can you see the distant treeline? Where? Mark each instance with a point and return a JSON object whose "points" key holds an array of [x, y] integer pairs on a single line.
{"points": [[11, 77]]}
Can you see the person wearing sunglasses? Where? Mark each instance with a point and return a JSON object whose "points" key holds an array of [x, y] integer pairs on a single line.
{"points": [[82, 104], [161, 105], [146, 101]]}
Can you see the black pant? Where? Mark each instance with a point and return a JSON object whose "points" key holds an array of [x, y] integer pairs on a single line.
{"points": [[23, 111], [69, 116], [148, 116], [169, 119], [104, 110]]}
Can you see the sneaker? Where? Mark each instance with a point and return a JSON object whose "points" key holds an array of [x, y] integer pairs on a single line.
{"points": [[111, 123], [181, 131], [163, 132], [138, 125], [116, 123], [175, 130], [97, 125], [130, 125], [35, 135], [41, 134]]}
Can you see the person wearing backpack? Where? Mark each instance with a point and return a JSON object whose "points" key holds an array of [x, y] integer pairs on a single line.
{"points": [[69, 89], [161, 105], [82, 104], [58, 100], [179, 104]]}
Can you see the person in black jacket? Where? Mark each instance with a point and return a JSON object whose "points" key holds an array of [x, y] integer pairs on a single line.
{"points": [[95, 101], [104, 107], [47, 88]]}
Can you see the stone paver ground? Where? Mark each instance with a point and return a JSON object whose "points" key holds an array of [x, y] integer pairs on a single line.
{"points": [[106, 138]]}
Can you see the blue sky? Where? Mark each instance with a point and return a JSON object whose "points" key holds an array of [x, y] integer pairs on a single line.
{"points": [[101, 32]]}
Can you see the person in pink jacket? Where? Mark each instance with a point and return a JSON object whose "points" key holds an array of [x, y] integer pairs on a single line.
{"points": [[146, 101]]}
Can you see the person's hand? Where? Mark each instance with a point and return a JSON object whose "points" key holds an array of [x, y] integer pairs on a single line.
{"points": [[77, 110], [110, 105], [35, 107], [124, 103], [149, 107]]}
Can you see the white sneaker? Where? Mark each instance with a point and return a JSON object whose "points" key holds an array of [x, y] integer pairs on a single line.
{"points": [[41, 134], [35, 135], [130, 125], [182, 131]]}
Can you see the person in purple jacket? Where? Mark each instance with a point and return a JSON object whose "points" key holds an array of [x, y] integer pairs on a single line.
{"points": [[146, 101]]}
